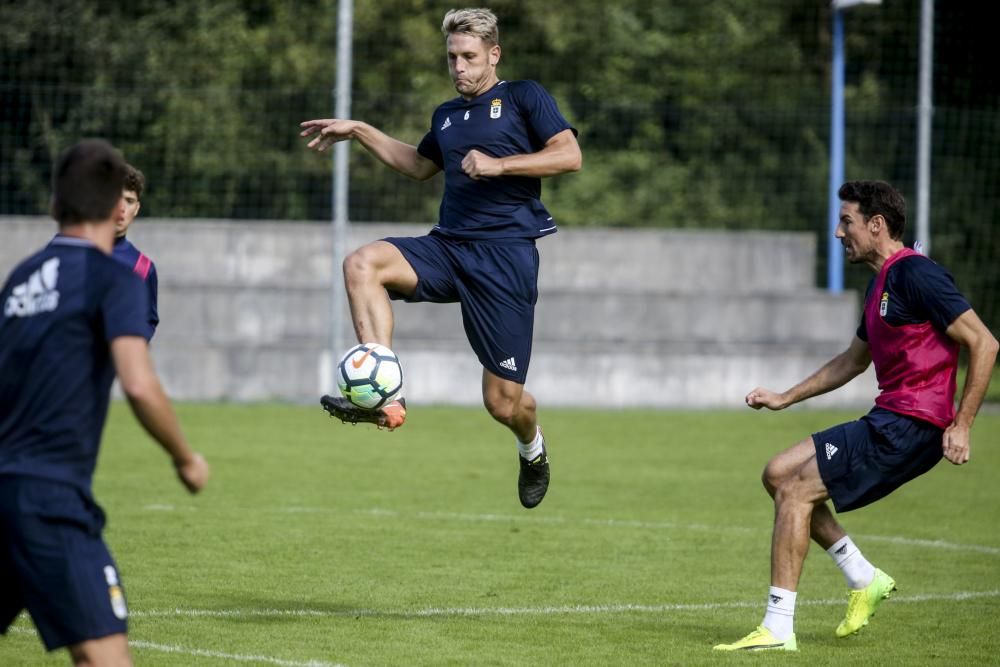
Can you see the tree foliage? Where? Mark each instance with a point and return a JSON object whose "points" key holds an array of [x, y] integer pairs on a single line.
{"points": [[691, 113]]}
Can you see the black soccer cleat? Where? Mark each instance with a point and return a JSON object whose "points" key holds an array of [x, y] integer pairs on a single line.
{"points": [[390, 416], [533, 479]]}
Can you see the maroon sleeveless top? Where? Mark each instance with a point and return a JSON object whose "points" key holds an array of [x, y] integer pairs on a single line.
{"points": [[915, 364]]}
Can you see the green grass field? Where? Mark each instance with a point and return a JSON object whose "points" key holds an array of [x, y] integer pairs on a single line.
{"points": [[323, 544]]}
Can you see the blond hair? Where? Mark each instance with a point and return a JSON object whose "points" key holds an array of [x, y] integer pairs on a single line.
{"points": [[478, 22]]}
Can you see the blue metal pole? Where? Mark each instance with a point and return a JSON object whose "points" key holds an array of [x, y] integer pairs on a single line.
{"points": [[835, 254]]}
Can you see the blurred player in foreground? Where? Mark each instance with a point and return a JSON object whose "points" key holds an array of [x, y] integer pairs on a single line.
{"points": [[72, 317], [494, 143], [128, 254], [914, 322]]}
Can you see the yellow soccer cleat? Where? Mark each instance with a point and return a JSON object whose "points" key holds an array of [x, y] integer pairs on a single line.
{"points": [[862, 603], [760, 639]]}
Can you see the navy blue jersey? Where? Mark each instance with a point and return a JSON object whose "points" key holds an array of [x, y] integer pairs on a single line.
{"points": [[143, 266], [512, 118], [61, 309], [919, 290]]}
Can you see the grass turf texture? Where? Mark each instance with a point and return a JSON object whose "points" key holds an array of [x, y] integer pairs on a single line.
{"points": [[321, 543], [992, 392]]}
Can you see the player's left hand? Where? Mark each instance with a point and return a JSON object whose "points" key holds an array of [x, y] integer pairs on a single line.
{"points": [[955, 444], [478, 165]]}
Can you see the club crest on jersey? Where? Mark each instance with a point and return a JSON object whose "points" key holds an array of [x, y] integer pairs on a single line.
{"points": [[118, 606], [883, 306], [496, 106]]}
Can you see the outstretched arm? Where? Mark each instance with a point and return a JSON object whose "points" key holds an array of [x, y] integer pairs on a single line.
{"points": [[394, 153], [837, 372], [969, 330], [153, 410], [560, 155]]}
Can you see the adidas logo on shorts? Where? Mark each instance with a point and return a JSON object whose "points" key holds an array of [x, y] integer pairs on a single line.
{"points": [[830, 451], [509, 364]]}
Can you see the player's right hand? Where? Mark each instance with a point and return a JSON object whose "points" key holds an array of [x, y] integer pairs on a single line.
{"points": [[328, 130], [193, 473], [955, 444], [764, 398]]}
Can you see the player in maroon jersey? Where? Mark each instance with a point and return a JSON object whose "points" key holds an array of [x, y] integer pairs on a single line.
{"points": [[914, 322]]}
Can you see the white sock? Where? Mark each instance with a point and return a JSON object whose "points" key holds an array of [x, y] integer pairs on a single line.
{"points": [[857, 570], [780, 616], [529, 450]]}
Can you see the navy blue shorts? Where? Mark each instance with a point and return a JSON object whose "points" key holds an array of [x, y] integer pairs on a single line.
{"points": [[54, 563], [867, 459], [497, 284]]}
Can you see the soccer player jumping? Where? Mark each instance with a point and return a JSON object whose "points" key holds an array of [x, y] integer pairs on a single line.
{"points": [[912, 327], [494, 143]]}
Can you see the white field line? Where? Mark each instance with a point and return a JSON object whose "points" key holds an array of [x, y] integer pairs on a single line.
{"points": [[933, 544], [462, 611], [961, 596], [652, 525], [167, 648], [613, 523], [203, 653]]}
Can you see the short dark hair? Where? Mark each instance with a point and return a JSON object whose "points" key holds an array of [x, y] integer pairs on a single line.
{"points": [[87, 182], [877, 198], [134, 180]]}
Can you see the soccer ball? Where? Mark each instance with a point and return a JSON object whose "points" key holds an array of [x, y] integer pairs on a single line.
{"points": [[369, 376]]}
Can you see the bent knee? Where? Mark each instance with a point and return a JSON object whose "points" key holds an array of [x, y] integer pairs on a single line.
{"points": [[773, 477], [380, 263], [780, 478], [767, 480], [793, 485], [501, 408], [362, 262]]}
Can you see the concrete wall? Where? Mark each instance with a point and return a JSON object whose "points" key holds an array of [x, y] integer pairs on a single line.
{"points": [[624, 318]]}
